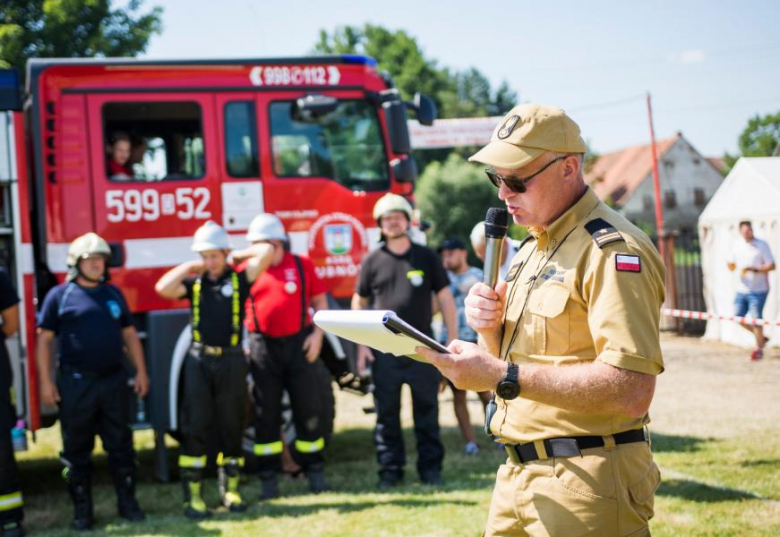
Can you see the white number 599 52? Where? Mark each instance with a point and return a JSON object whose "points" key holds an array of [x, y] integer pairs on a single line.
{"points": [[137, 205]]}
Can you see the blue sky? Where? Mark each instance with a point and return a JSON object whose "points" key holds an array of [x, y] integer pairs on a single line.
{"points": [[708, 65]]}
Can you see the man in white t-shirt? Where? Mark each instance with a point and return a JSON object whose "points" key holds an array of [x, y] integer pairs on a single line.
{"points": [[478, 242], [753, 260]]}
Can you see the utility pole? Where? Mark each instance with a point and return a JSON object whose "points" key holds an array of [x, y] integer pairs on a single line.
{"points": [[659, 214]]}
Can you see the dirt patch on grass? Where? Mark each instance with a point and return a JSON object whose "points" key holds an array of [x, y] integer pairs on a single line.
{"points": [[711, 389]]}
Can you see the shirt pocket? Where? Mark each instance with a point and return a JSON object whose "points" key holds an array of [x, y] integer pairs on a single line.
{"points": [[550, 319]]}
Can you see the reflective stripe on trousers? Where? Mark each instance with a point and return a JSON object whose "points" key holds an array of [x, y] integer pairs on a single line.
{"points": [[11, 501]]}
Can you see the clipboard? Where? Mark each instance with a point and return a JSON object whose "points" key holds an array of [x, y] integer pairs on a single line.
{"points": [[382, 330]]}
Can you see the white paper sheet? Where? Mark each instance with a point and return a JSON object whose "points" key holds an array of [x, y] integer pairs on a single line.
{"points": [[366, 327]]}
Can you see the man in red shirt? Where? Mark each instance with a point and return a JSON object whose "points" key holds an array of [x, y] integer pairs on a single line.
{"points": [[284, 347]]}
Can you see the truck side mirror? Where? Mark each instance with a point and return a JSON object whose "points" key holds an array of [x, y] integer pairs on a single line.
{"points": [[313, 106], [397, 127], [404, 169], [424, 108]]}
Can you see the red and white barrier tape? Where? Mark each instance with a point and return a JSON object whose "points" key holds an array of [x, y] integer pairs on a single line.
{"points": [[704, 316]]}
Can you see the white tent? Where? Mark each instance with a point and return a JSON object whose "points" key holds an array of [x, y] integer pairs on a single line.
{"points": [[750, 192]]}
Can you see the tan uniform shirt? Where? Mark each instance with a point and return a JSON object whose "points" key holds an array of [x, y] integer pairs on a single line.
{"points": [[571, 301]]}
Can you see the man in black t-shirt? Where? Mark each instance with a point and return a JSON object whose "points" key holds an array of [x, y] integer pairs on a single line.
{"points": [[403, 277], [11, 502], [93, 325], [215, 370]]}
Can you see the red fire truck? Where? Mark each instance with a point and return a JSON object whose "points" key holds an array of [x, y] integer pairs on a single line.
{"points": [[314, 140]]}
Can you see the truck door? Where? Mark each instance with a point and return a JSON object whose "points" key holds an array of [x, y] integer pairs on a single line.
{"points": [[241, 188], [155, 180], [322, 173]]}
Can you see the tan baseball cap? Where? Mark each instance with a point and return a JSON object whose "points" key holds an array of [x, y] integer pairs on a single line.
{"points": [[526, 132]]}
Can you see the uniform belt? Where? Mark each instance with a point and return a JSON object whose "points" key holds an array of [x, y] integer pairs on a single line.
{"points": [[257, 336], [90, 373], [568, 446], [212, 350]]}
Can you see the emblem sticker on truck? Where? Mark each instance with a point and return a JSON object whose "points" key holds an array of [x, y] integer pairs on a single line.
{"points": [[337, 242]]}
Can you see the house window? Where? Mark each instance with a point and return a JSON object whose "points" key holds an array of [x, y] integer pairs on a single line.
{"points": [[670, 200], [699, 199]]}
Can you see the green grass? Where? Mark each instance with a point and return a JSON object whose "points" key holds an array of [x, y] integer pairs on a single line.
{"points": [[718, 487], [710, 487], [457, 508]]}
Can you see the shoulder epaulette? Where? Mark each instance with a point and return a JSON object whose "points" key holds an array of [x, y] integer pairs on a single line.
{"points": [[603, 232]]}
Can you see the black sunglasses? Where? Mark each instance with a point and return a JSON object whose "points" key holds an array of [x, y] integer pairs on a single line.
{"points": [[517, 184]]}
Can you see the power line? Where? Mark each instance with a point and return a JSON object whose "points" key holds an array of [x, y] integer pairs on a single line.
{"points": [[719, 105], [609, 104]]}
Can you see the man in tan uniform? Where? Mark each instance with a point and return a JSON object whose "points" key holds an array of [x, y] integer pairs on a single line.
{"points": [[569, 343]]}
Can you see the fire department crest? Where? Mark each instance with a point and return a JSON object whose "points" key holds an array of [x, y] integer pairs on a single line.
{"points": [[508, 127], [338, 238]]}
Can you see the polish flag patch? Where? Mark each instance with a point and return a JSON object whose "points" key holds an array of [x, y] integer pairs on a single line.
{"points": [[628, 263]]}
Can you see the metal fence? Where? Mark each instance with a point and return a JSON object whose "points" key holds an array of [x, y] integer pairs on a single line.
{"points": [[684, 286]]}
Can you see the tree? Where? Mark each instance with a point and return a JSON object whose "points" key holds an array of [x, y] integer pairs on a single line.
{"points": [[454, 196], [457, 94], [395, 51], [759, 139], [73, 28]]}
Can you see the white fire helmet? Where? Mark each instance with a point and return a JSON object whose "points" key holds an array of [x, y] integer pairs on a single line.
{"points": [[266, 227], [391, 203], [210, 236]]}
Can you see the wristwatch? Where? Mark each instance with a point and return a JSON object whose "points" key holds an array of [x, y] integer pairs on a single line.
{"points": [[509, 387]]}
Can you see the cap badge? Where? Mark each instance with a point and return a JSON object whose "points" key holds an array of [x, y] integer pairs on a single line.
{"points": [[508, 127]]}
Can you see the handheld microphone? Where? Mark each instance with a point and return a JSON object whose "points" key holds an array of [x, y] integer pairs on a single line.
{"points": [[496, 221]]}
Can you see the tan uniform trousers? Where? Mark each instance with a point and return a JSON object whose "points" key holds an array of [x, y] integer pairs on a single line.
{"points": [[606, 492]]}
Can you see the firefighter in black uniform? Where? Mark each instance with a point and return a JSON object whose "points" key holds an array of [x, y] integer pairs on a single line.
{"points": [[93, 324], [11, 502], [215, 370], [284, 350], [403, 276]]}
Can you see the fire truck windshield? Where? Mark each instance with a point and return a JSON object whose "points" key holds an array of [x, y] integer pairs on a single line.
{"points": [[344, 145]]}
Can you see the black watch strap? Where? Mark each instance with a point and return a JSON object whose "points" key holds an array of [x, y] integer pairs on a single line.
{"points": [[509, 387], [511, 373]]}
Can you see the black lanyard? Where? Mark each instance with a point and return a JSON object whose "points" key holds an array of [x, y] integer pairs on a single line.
{"points": [[530, 283], [492, 407]]}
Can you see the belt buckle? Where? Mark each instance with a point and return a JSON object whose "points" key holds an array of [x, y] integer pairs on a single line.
{"points": [[212, 351]]}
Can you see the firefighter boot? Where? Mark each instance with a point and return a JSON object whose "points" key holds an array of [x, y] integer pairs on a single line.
{"points": [[194, 506], [124, 482], [80, 489], [317, 483], [12, 529], [270, 485], [229, 478]]}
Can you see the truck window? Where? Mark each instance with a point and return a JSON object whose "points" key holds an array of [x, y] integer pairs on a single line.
{"points": [[344, 145], [153, 141], [241, 139]]}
